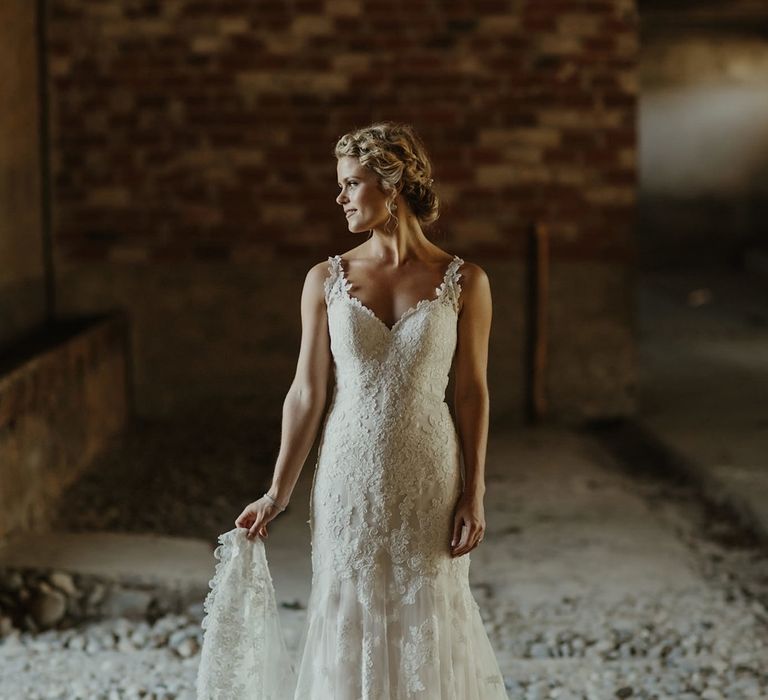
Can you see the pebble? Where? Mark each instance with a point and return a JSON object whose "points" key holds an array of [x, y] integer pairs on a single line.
{"points": [[47, 607], [703, 643], [187, 647], [64, 582]]}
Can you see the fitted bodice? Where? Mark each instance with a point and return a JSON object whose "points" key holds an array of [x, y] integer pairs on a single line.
{"points": [[389, 435], [398, 368]]}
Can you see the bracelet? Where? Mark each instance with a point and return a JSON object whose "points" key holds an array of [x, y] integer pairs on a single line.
{"points": [[275, 503]]}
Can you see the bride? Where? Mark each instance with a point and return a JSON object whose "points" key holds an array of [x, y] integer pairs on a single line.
{"points": [[398, 488]]}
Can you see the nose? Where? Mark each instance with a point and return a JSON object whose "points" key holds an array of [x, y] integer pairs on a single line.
{"points": [[341, 197]]}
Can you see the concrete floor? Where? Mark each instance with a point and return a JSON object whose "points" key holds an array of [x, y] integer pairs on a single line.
{"points": [[704, 379], [586, 573]]}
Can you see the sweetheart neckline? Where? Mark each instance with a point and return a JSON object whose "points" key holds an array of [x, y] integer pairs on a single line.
{"points": [[346, 284]]}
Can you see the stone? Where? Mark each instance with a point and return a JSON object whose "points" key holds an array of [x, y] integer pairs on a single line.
{"points": [[711, 694], [47, 607], [139, 638], [125, 645], [77, 643], [6, 625], [64, 582], [188, 647], [126, 602], [93, 645], [96, 594], [12, 581]]}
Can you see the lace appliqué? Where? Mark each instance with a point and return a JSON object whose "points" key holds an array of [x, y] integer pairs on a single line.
{"points": [[420, 647], [391, 614], [243, 647], [388, 397]]}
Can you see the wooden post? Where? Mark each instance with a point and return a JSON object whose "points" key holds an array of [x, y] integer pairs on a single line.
{"points": [[537, 305]]}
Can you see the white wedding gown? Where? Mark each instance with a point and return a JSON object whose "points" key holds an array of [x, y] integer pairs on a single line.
{"points": [[390, 615]]}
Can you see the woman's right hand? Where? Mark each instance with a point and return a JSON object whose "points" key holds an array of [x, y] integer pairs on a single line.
{"points": [[255, 517]]}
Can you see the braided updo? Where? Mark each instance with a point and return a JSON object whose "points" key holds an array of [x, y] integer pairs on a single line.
{"points": [[398, 156]]}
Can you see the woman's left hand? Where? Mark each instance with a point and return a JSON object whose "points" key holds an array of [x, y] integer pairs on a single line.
{"points": [[468, 525]]}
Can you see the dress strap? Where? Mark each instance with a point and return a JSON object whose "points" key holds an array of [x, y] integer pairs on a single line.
{"points": [[451, 280], [335, 274]]}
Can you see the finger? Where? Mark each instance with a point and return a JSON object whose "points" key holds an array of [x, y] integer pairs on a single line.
{"points": [[244, 519], [254, 528], [462, 541], [465, 545], [478, 538], [458, 524]]}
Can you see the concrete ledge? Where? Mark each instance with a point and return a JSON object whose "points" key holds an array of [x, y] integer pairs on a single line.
{"points": [[175, 562], [59, 580], [64, 392]]}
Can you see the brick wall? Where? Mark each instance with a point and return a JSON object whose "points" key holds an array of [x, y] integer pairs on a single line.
{"points": [[191, 132]]}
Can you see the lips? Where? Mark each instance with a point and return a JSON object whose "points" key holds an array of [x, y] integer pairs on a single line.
{"points": [[350, 211]]}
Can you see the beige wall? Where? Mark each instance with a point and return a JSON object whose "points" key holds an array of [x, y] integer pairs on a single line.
{"points": [[22, 297], [229, 335]]}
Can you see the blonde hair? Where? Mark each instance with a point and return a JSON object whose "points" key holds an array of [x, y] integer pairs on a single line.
{"points": [[398, 156]]}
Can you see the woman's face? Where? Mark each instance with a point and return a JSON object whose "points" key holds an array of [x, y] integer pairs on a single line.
{"points": [[360, 195]]}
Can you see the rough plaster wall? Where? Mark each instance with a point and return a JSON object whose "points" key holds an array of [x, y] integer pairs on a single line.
{"points": [[22, 295], [219, 336]]}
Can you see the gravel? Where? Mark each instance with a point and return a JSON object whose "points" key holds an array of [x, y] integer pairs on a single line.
{"points": [[704, 642], [699, 643]]}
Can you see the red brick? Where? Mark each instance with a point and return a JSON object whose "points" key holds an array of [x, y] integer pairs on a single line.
{"points": [[442, 71]]}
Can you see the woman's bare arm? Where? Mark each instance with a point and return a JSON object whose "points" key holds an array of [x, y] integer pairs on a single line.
{"points": [[305, 400], [471, 403], [303, 406]]}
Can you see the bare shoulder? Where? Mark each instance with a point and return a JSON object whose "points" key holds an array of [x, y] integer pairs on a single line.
{"points": [[473, 277], [319, 270], [314, 281], [472, 273], [475, 285]]}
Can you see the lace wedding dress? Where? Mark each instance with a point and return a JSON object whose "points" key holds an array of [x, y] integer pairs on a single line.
{"points": [[390, 615]]}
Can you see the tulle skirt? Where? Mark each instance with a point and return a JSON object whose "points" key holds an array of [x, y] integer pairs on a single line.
{"points": [[435, 647]]}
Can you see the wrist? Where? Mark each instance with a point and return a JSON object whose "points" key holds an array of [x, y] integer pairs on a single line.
{"points": [[280, 502], [474, 492]]}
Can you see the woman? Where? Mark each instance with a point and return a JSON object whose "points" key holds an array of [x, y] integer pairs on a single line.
{"points": [[392, 518]]}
